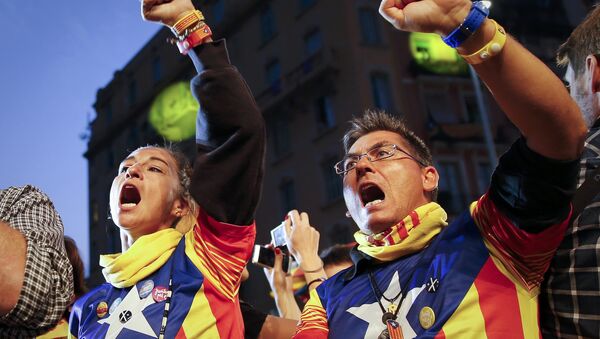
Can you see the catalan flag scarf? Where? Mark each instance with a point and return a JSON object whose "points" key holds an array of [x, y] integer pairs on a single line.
{"points": [[410, 235], [147, 254]]}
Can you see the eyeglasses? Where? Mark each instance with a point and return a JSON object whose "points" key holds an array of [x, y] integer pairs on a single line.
{"points": [[378, 153]]}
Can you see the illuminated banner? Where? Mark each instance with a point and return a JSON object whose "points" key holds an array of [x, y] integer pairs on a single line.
{"points": [[173, 112], [432, 54]]}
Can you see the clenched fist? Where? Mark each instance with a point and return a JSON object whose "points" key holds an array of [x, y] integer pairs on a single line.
{"points": [[427, 16], [167, 12]]}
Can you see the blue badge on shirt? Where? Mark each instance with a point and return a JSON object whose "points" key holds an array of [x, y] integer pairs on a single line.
{"points": [[146, 288]]}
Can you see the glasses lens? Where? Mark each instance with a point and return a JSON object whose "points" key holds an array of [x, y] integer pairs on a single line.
{"points": [[349, 163], [339, 167], [381, 152]]}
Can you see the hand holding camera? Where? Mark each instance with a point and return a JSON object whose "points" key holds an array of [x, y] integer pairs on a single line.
{"points": [[302, 241]]}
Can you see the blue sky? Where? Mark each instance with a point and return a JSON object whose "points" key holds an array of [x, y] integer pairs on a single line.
{"points": [[54, 56]]}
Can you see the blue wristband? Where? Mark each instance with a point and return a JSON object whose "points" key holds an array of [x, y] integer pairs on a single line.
{"points": [[472, 22]]}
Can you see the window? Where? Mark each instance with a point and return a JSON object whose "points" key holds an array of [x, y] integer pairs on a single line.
{"points": [[439, 108], [369, 23], [280, 135], [132, 93], [110, 160], [156, 69], [218, 12], [305, 4], [471, 108], [287, 193], [324, 113], [484, 176], [544, 4], [267, 24], [133, 137], [333, 182], [273, 75], [382, 92], [312, 42], [450, 196]]}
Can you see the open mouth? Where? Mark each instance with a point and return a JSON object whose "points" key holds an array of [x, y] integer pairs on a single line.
{"points": [[130, 196], [371, 195]]}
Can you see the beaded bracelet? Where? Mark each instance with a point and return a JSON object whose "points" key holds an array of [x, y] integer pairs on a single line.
{"points": [[492, 48]]}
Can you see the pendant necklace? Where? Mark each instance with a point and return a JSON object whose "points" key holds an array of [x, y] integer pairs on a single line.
{"points": [[393, 329]]}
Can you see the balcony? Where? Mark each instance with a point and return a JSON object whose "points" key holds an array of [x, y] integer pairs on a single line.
{"points": [[310, 70]]}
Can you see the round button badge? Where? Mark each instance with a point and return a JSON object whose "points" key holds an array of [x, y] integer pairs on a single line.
{"points": [[160, 293], [426, 317], [102, 309], [146, 288]]}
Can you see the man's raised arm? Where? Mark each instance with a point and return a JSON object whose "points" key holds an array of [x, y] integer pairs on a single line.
{"points": [[532, 97]]}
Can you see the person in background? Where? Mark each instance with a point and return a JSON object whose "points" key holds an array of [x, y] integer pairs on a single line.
{"points": [[78, 269], [570, 299], [62, 329], [35, 273], [415, 275], [336, 258], [190, 232]]}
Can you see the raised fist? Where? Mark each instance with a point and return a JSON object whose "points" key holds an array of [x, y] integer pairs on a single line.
{"points": [[166, 12], [427, 16]]}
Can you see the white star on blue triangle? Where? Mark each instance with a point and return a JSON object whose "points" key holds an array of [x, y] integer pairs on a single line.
{"points": [[137, 323], [371, 313]]}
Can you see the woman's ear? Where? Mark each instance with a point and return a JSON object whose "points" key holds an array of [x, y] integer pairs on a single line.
{"points": [[180, 208]]}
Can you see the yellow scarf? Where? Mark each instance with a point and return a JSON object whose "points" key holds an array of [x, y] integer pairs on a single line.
{"points": [[60, 331], [144, 257], [408, 236]]}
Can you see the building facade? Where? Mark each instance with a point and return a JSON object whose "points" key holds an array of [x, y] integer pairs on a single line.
{"points": [[313, 65]]}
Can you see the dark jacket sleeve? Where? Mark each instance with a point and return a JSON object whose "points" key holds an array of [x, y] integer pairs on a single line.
{"points": [[253, 320], [230, 138], [533, 191]]}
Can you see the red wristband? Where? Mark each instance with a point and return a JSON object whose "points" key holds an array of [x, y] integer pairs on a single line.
{"points": [[194, 39]]}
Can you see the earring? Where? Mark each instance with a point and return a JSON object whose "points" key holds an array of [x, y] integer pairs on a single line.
{"points": [[348, 214]]}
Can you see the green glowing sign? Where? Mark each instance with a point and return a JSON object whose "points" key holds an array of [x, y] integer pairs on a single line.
{"points": [[432, 54], [173, 112]]}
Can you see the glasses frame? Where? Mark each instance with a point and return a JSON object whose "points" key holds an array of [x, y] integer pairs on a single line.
{"points": [[358, 157]]}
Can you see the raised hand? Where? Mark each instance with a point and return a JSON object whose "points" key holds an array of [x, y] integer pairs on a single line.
{"points": [[302, 240], [282, 287], [166, 12], [276, 276], [427, 16]]}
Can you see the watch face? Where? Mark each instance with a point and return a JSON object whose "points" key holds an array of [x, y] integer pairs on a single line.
{"points": [[173, 112]]}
